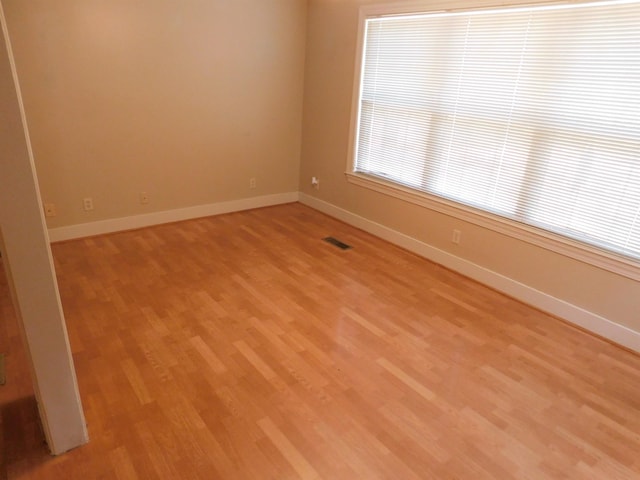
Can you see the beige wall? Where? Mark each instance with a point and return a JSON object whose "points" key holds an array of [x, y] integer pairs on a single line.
{"points": [[185, 100], [331, 48]]}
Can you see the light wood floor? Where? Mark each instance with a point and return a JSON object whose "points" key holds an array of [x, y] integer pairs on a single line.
{"points": [[244, 347]]}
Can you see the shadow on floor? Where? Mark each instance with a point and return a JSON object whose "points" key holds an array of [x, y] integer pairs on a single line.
{"points": [[22, 442]]}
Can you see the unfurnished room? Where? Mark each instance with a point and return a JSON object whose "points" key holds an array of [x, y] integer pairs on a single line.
{"points": [[320, 239]]}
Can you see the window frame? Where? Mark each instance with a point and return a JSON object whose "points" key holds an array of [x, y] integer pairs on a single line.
{"points": [[555, 242]]}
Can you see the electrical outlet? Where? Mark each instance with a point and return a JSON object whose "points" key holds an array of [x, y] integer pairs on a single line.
{"points": [[252, 182], [144, 198], [87, 203], [456, 237], [50, 210], [315, 183]]}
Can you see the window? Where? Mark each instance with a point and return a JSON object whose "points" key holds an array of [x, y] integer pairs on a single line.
{"points": [[528, 114]]}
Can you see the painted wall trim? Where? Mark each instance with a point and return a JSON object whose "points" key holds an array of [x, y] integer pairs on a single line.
{"points": [[583, 318], [553, 242], [156, 218], [28, 262]]}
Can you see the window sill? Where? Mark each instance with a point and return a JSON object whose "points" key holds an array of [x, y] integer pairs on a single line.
{"points": [[555, 243]]}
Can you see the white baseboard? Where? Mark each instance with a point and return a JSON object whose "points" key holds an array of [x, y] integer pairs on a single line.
{"points": [[588, 320], [167, 216]]}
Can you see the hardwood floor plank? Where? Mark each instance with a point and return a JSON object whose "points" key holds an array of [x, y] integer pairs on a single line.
{"points": [[209, 356], [408, 380], [122, 464], [288, 450]]}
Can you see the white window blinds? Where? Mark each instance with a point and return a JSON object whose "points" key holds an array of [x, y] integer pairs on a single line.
{"points": [[529, 113]]}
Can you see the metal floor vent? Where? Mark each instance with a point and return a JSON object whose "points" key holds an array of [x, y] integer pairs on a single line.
{"points": [[337, 243]]}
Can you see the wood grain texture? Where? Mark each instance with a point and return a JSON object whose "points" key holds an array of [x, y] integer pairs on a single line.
{"points": [[242, 346]]}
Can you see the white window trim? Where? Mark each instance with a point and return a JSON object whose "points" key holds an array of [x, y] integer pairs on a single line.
{"points": [[556, 243]]}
